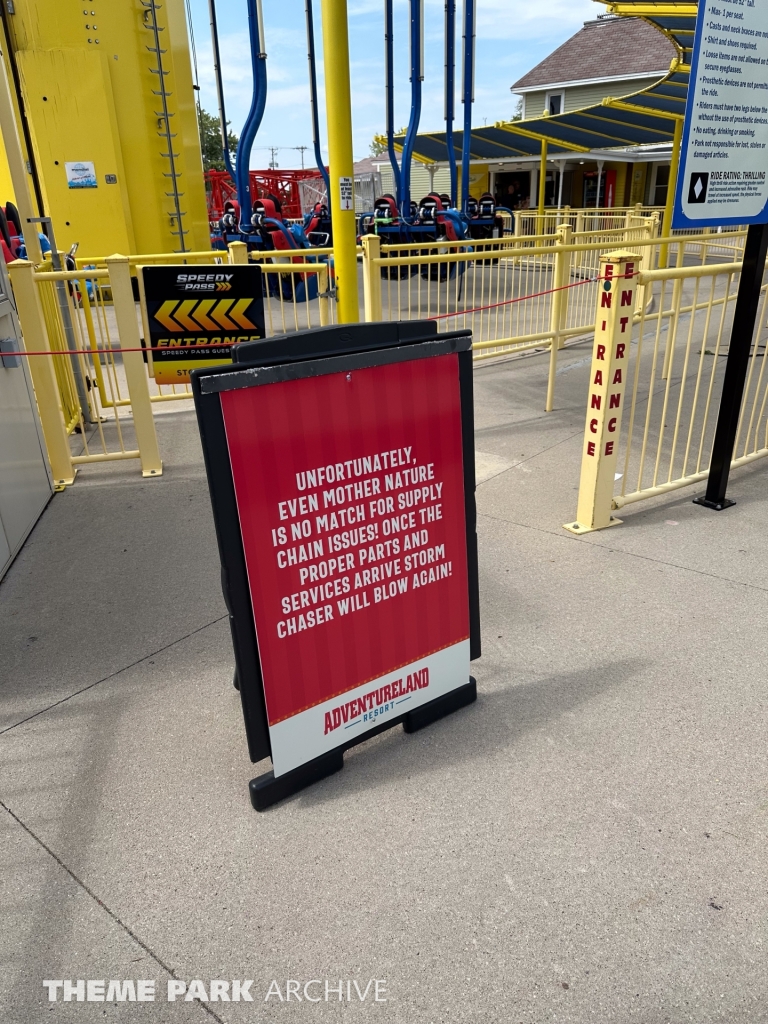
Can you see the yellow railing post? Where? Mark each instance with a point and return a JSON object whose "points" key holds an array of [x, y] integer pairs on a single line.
{"points": [[677, 141], [705, 247], [645, 263], [238, 252], [560, 276], [672, 325], [608, 378], [542, 187], [372, 278], [565, 237], [342, 197], [133, 364], [35, 337], [322, 293]]}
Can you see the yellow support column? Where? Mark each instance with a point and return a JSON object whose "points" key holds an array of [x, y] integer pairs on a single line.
{"points": [[542, 187], [677, 142], [43, 373], [18, 167], [133, 364], [339, 114], [605, 402]]}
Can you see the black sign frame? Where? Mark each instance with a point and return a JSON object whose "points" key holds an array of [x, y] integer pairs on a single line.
{"points": [[289, 357]]}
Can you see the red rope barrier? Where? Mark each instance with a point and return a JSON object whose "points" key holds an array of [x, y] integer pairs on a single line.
{"points": [[533, 295], [212, 348]]}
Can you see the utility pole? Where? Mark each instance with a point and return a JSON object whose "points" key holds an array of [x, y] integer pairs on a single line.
{"points": [[302, 150]]}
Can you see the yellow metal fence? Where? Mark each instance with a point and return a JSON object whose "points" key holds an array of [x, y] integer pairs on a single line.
{"points": [[517, 298], [93, 374], [72, 375], [677, 356], [581, 219], [286, 308], [540, 294]]}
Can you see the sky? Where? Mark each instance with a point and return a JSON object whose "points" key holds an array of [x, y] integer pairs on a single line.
{"points": [[512, 37]]}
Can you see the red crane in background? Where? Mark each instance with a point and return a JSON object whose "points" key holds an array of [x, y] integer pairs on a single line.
{"points": [[283, 185]]}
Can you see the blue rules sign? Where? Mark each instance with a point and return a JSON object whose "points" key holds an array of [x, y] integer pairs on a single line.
{"points": [[723, 177]]}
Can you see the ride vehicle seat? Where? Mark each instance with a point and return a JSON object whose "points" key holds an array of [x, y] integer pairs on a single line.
{"points": [[429, 207], [486, 207], [230, 221], [385, 210], [269, 209], [317, 226]]}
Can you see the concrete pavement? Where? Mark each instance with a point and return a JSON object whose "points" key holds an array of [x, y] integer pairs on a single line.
{"points": [[585, 844]]}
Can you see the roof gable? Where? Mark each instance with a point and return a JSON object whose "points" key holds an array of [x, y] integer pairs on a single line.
{"points": [[606, 48]]}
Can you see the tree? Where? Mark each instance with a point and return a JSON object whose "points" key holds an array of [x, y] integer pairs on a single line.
{"points": [[378, 145], [518, 113], [210, 141]]}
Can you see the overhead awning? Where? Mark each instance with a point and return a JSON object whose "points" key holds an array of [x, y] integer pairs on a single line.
{"points": [[643, 118]]}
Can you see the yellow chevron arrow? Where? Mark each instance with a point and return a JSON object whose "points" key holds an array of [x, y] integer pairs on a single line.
{"points": [[182, 315], [163, 316], [201, 315], [238, 314], [219, 314]]}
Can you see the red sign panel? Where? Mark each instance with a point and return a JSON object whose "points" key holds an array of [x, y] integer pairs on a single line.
{"points": [[350, 493]]}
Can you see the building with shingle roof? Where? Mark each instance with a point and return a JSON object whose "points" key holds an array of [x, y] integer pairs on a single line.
{"points": [[609, 56]]}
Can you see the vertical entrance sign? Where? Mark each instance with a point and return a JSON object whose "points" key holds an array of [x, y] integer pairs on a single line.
{"points": [[341, 469], [723, 180]]}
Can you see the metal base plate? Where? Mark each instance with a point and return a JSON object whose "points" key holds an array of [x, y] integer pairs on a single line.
{"points": [[579, 528], [717, 506]]}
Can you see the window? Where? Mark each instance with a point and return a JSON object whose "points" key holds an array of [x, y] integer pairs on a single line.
{"points": [[660, 186], [555, 102]]}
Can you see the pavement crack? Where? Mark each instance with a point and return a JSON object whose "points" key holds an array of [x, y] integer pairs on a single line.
{"points": [[107, 910], [631, 554], [117, 672]]}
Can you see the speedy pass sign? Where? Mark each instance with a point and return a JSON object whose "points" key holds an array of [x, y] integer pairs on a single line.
{"points": [[350, 497], [194, 314]]}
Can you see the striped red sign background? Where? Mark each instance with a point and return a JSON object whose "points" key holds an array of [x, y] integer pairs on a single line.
{"points": [[277, 431]]}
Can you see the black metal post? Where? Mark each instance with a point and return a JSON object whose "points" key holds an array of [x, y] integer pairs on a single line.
{"points": [[744, 318]]}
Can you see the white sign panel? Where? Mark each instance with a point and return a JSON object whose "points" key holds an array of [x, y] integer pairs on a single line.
{"points": [[723, 177], [81, 174], [346, 194]]}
